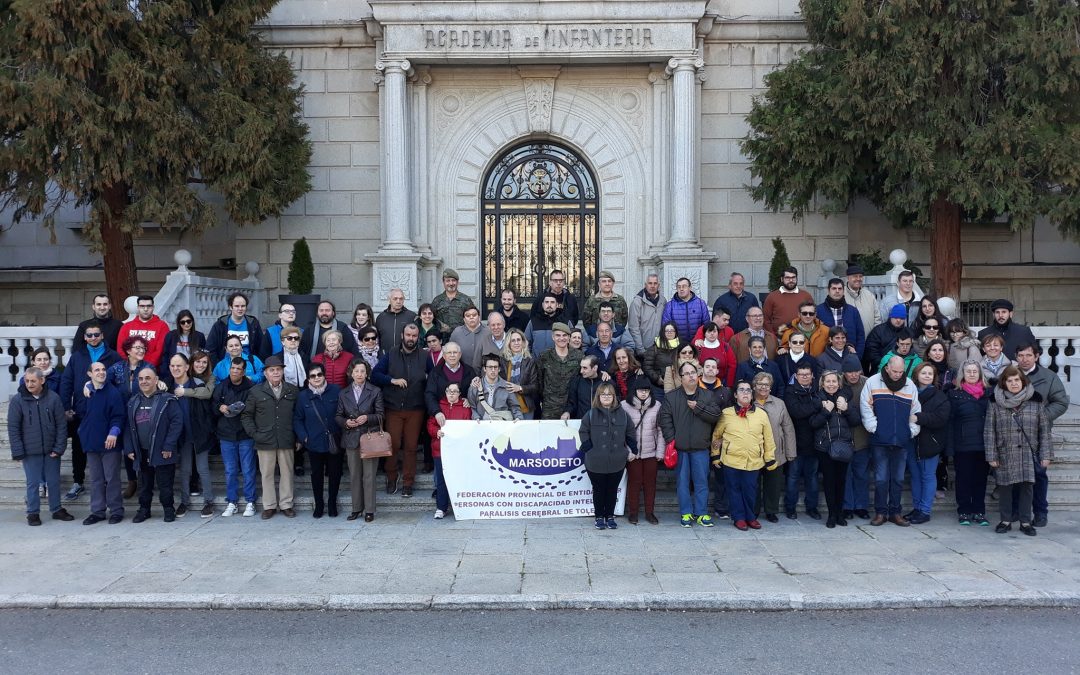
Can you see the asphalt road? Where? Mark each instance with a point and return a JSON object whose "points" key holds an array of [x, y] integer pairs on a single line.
{"points": [[899, 641]]}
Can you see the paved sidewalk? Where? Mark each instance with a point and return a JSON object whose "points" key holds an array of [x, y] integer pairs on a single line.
{"points": [[409, 561]]}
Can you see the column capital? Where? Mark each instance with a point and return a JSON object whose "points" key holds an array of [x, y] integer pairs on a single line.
{"points": [[692, 64], [658, 73], [421, 75], [387, 67]]}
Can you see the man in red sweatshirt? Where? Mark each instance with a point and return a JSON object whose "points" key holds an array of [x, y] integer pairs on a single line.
{"points": [[149, 326]]}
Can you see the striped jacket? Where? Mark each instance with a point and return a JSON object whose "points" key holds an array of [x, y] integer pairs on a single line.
{"points": [[886, 414]]}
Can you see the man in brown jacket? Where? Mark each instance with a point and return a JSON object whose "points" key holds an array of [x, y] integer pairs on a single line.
{"points": [[782, 305], [740, 342]]}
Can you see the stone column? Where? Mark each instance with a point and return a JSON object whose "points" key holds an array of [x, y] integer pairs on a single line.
{"points": [[419, 137], [396, 263], [684, 168], [395, 155], [683, 255]]}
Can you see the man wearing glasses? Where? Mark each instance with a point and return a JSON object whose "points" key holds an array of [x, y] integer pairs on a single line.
{"points": [[149, 327], [783, 303], [110, 327], [808, 325], [237, 322], [687, 417], [76, 375], [566, 309], [272, 336]]}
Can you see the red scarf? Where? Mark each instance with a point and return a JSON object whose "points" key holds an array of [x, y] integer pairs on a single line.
{"points": [[742, 412]]}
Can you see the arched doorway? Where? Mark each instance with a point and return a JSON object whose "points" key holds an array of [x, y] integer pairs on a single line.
{"points": [[540, 212]]}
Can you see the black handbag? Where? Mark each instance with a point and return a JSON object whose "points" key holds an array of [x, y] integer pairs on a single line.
{"points": [[331, 442], [839, 449]]}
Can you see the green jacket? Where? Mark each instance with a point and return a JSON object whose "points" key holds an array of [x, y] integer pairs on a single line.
{"points": [[555, 375], [268, 420], [451, 313], [590, 315]]}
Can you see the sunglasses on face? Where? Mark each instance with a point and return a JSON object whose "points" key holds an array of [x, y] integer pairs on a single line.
{"points": [[291, 338], [186, 322], [312, 376], [808, 313], [369, 339], [798, 342], [930, 326], [91, 336]]}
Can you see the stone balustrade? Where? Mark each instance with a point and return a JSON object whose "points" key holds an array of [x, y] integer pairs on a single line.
{"points": [[204, 297], [879, 284]]}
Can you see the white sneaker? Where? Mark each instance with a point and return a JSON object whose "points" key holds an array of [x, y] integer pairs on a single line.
{"points": [[249, 510], [230, 510], [439, 514]]}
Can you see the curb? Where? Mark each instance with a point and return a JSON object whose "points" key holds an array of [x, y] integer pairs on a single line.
{"points": [[760, 602]]}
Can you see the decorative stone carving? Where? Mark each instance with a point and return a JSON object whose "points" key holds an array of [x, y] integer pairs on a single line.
{"points": [[539, 84], [451, 105]]}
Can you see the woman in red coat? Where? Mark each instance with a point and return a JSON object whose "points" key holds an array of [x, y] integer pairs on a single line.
{"points": [[453, 407]]}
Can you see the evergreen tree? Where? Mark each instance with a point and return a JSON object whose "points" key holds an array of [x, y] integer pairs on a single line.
{"points": [[780, 262], [936, 111], [145, 111], [301, 277]]}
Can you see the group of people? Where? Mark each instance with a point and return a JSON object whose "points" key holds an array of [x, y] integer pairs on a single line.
{"points": [[772, 396]]}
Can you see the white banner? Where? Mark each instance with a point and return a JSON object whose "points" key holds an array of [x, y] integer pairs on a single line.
{"points": [[527, 469]]}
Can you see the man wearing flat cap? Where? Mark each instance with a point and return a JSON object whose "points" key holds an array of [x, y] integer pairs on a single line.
{"points": [[590, 315], [450, 305], [267, 418], [1014, 334]]}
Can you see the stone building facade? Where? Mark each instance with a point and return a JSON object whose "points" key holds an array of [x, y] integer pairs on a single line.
{"points": [[505, 138]]}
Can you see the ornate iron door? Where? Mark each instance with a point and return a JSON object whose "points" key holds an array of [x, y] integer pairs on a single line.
{"points": [[540, 213]]}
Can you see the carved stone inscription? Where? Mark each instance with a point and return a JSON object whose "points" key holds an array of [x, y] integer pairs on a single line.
{"points": [[544, 37]]}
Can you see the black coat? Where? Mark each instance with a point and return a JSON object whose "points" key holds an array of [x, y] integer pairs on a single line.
{"points": [[315, 331], [227, 393], [172, 338], [879, 342], [110, 330], [579, 395], [933, 422], [835, 425], [314, 418], [802, 405], [219, 335], [436, 386], [966, 422]]}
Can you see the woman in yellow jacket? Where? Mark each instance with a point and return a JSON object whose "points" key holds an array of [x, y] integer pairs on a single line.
{"points": [[743, 443]]}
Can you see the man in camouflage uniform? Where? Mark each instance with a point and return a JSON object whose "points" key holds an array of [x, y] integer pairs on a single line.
{"points": [[557, 366], [449, 306], [606, 293]]}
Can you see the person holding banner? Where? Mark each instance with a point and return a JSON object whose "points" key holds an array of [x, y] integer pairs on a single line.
{"points": [[360, 410], [687, 417], [644, 412], [489, 397], [605, 432], [453, 407]]}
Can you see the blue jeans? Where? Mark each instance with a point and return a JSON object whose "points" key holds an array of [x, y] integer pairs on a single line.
{"points": [[693, 465], [742, 492], [923, 480], [239, 456], [888, 477], [805, 467], [38, 469], [856, 490], [442, 495]]}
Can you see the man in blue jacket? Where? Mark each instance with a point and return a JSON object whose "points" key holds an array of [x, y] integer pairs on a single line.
{"points": [[75, 376], [889, 403], [37, 433], [686, 310], [100, 434], [154, 427], [836, 311]]}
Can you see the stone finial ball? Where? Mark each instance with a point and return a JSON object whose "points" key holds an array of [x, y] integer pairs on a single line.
{"points": [[898, 256], [182, 257]]}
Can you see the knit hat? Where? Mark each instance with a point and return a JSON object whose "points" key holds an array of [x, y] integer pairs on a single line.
{"points": [[1001, 303], [851, 364], [898, 311], [450, 273], [640, 382], [854, 269]]}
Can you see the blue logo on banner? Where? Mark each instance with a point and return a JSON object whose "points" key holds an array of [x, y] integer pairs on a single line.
{"points": [[560, 459]]}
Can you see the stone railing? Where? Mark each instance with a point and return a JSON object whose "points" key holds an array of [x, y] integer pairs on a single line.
{"points": [[879, 285], [205, 297]]}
